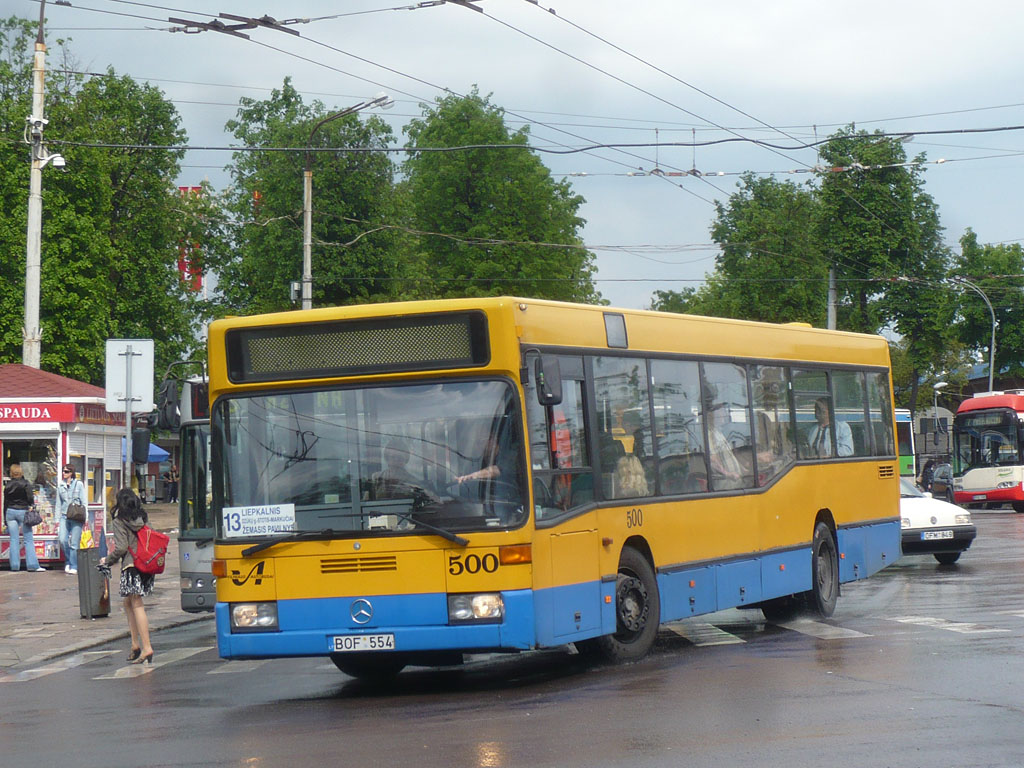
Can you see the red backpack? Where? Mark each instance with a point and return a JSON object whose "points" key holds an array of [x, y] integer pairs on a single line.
{"points": [[150, 551]]}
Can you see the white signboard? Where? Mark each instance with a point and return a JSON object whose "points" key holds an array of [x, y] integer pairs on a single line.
{"points": [[258, 521], [138, 355]]}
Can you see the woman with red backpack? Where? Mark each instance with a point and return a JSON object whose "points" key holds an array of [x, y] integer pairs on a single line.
{"points": [[129, 517]]}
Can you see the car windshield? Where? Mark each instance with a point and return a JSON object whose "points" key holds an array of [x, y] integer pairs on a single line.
{"points": [[379, 460], [907, 488], [985, 439]]}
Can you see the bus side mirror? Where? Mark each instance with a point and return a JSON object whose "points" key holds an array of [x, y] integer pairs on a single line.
{"points": [[549, 380]]}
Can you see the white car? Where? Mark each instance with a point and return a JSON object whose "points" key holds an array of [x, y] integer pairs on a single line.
{"points": [[933, 527]]}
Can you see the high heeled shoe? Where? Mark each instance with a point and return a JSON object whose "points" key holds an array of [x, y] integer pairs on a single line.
{"points": [[134, 654], [147, 659]]}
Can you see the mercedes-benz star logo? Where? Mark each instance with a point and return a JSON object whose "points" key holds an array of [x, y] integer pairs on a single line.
{"points": [[361, 611]]}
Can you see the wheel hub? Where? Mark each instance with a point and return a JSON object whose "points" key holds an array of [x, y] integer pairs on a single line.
{"points": [[632, 603]]}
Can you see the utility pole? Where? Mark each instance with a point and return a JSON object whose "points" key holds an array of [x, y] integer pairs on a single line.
{"points": [[31, 334], [831, 320]]}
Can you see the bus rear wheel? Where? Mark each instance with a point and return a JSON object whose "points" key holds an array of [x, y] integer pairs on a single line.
{"points": [[373, 667], [637, 610], [824, 590]]}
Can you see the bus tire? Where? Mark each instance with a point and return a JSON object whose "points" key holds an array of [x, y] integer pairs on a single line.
{"points": [[824, 591], [637, 610], [372, 667], [1018, 506]]}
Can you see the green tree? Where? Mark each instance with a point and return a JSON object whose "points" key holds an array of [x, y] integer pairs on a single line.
{"points": [[770, 266], [354, 258], [998, 271], [112, 225], [488, 217]]}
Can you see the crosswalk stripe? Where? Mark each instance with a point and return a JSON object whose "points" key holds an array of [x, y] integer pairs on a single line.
{"points": [[701, 633], [941, 624], [952, 626], [159, 660], [60, 665], [819, 629], [231, 667]]}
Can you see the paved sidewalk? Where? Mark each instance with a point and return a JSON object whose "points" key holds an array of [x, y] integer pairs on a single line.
{"points": [[40, 617]]}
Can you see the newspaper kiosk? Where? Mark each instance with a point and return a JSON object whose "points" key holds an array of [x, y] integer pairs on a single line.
{"points": [[47, 421]]}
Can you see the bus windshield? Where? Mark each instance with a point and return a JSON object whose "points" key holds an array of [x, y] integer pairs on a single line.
{"points": [[377, 460], [984, 439]]}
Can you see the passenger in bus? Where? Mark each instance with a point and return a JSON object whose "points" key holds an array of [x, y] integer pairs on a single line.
{"points": [[630, 478], [821, 438], [395, 480], [726, 471]]}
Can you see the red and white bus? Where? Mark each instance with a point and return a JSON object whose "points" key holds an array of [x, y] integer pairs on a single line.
{"points": [[988, 467]]}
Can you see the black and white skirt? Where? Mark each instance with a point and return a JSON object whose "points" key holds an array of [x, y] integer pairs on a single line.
{"points": [[135, 583]]}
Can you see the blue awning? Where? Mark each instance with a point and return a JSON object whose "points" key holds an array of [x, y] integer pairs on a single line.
{"points": [[156, 453]]}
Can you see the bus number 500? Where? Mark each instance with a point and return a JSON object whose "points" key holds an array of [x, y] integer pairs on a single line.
{"points": [[472, 564], [634, 518]]}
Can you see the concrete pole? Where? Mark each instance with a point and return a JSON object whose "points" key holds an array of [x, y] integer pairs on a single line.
{"points": [[307, 235], [31, 334], [831, 320]]}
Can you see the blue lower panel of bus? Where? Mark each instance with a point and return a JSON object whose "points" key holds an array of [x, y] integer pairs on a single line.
{"points": [[418, 622], [866, 549]]}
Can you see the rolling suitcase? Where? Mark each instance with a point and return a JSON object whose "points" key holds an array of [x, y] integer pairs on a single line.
{"points": [[93, 586]]}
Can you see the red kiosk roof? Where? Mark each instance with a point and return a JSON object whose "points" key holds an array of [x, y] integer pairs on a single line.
{"points": [[23, 381]]}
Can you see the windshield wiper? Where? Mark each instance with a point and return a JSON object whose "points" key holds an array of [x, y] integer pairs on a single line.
{"points": [[287, 536], [444, 534]]}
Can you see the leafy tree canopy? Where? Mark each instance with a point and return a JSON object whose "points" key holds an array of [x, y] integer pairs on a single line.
{"points": [[112, 225], [490, 220]]}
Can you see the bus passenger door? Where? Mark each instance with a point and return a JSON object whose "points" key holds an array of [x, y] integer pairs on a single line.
{"points": [[575, 595]]}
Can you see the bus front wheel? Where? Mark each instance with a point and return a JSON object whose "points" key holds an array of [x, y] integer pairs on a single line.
{"points": [[637, 610], [373, 667], [824, 590]]}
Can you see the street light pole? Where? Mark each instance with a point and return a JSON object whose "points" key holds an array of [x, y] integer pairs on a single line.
{"points": [[381, 100], [935, 412], [31, 339], [992, 345]]}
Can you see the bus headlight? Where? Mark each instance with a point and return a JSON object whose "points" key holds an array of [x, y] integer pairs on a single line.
{"points": [[481, 608], [1007, 484], [254, 617]]}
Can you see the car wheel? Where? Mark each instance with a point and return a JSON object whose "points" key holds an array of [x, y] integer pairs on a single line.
{"points": [[947, 558]]}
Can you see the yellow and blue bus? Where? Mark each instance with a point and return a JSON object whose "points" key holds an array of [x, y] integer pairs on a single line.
{"points": [[400, 484]]}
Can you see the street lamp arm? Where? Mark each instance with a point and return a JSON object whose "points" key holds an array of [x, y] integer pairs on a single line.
{"points": [[381, 100], [992, 345]]}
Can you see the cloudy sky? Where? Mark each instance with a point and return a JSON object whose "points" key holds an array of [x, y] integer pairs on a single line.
{"points": [[586, 72]]}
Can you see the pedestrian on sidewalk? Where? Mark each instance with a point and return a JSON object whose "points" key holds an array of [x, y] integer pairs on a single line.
{"points": [[129, 517], [175, 476], [70, 489], [18, 497]]}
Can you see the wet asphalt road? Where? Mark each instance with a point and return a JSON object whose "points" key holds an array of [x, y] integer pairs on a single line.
{"points": [[920, 666]]}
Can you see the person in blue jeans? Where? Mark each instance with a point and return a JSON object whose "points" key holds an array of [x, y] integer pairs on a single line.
{"points": [[18, 497], [68, 490]]}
